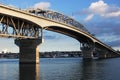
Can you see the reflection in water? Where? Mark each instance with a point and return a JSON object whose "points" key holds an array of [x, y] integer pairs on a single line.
{"points": [[93, 70], [83, 70], [88, 70], [61, 69], [28, 71], [72, 69]]}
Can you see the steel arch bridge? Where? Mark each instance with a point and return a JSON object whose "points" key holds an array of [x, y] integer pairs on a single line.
{"points": [[29, 23]]}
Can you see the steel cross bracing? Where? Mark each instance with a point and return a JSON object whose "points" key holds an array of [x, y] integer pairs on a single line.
{"points": [[18, 28], [56, 16]]}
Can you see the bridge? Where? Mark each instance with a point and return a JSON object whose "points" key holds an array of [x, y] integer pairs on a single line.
{"points": [[27, 25]]}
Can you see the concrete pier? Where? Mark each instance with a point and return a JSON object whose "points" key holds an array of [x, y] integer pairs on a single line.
{"points": [[102, 56], [28, 49], [109, 55], [87, 53], [28, 58]]}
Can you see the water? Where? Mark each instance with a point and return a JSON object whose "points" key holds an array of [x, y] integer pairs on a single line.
{"points": [[65, 69], [9, 69], [76, 69]]}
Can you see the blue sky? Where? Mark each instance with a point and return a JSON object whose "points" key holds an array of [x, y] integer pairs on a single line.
{"points": [[100, 17]]}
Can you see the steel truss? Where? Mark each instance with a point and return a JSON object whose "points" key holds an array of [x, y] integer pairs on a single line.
{"points": [[56, 16], [18, 28]]}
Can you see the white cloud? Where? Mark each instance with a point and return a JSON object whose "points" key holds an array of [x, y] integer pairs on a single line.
{"points": [[98, 7], [102, 9], [89, 17], [113, 14], [42, 5]]}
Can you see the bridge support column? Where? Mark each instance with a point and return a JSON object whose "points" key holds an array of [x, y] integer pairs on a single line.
{"points": [[109, 55], [28, 58], [28, 49], [112, 55], [87, 53], [102, 56]]}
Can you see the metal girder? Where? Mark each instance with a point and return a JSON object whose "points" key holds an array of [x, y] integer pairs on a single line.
{"points": [[18, 28]]}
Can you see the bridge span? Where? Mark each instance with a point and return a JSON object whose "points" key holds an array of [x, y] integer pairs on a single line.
{"points": [[27, 27]]}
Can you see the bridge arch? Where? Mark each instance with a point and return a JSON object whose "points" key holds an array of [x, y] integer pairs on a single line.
{"points": [[71, 33]]}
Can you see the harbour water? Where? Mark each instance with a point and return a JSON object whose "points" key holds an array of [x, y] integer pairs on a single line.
{"points": [[65, 69]]}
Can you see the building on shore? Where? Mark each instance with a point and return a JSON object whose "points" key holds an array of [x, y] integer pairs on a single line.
{"points": [[9, 55], [53, 54], [60, 54]]}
